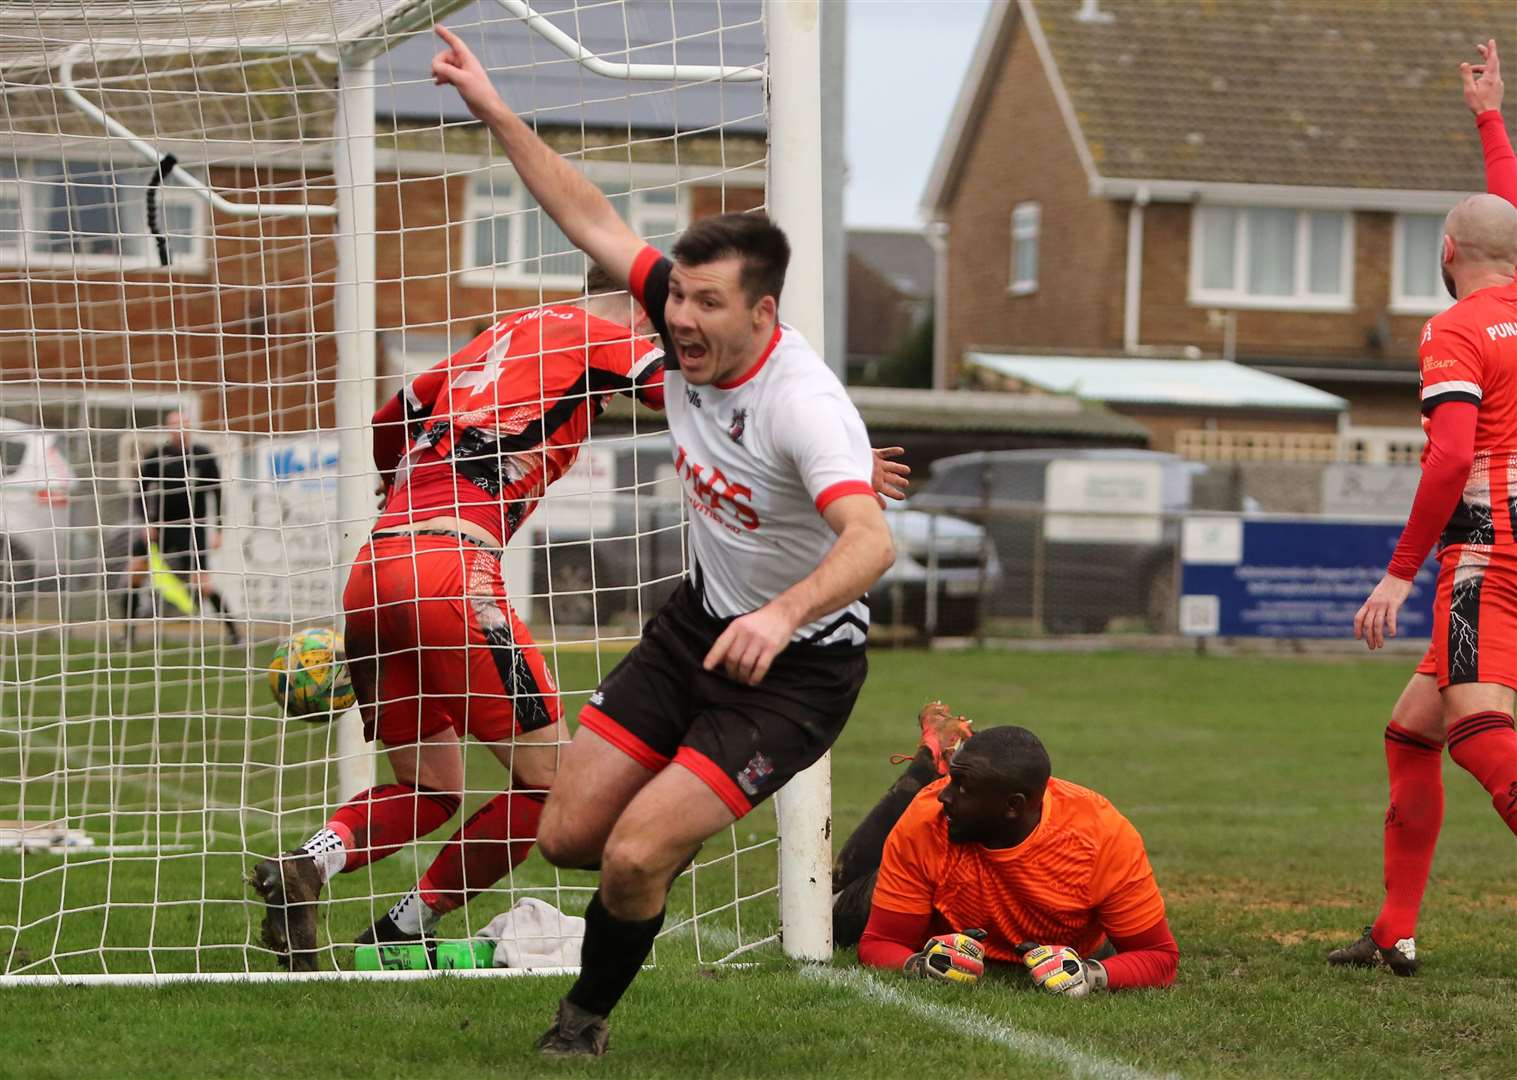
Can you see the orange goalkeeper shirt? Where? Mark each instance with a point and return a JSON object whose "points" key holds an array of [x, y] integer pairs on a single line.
{"points": [[1080, 876]]}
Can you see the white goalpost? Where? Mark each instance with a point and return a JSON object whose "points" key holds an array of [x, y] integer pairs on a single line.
{"points": [[261, 216]]}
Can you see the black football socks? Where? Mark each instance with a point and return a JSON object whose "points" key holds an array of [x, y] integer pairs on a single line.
{"points": [[613, 954]]}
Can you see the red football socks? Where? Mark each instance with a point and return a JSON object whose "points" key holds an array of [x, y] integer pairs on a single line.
{"points": [[1412, 823], [385, 818], [1485, 745], [495, 839]]}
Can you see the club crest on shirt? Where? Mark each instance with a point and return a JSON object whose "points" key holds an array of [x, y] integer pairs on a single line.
{"points": [[692, 397], [739, 425], [758, 769]]}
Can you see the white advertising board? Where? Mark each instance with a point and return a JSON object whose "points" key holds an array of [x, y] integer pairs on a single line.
{"points": [[1108, 502]]}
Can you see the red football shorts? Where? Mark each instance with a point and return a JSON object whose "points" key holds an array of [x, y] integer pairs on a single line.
{"points": [[429, 629], [1474, 618]]}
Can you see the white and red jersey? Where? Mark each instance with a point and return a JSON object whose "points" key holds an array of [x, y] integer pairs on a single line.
{"points": [[759, 459], [1469, 353]]}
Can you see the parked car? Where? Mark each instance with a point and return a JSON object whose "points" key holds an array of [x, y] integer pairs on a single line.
{"points": [[1097, 543], [610, 543], [36, 485], [965, 570]]}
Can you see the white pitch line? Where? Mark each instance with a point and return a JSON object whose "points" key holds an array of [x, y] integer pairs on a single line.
{"points": [[960, 1021]]}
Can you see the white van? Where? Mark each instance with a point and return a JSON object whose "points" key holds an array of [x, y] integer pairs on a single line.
{"points": [[36, 489]]}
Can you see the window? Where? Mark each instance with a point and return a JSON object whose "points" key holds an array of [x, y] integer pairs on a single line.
{"points": [[1271, 257], [1417, 265], [93, 214], [510, 242], [1025, 220]]}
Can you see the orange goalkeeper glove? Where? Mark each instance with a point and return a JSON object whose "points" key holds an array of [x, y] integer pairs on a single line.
{"points": [[1060, 970], [958, 958]]}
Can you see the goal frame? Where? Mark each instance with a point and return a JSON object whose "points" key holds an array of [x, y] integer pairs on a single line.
{"points": [[794, 74]]}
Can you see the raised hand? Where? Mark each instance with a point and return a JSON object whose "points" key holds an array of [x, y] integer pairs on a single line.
{"points": [[459, 68], [1482, 81]]}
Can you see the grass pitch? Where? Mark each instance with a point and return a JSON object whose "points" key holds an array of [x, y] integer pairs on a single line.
{"points": [[1258, 785]]}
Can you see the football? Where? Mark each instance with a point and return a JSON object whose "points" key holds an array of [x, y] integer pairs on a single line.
{"points": [[309, 675]]}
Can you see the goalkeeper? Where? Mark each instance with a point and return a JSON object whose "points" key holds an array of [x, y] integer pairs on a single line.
{"points": [[989, 858]]}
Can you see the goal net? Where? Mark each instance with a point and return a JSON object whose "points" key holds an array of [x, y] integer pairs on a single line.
{"points": [[243, 224]]}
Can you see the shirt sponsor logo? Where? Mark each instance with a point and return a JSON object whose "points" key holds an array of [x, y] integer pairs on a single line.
{"points": [[1433, 363], [1501, 330], [692, 397], [713, 495]]}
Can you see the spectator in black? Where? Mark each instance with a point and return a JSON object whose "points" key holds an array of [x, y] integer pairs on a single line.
{"points": [[179, 491]]}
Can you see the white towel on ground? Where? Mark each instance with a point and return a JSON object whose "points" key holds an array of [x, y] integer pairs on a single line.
{"points": [[535, 934]]}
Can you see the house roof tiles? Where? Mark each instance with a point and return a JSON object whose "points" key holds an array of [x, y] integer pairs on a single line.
{"points": [[1353, 93]]}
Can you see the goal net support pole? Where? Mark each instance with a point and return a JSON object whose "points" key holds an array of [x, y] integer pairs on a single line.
{"points": [[356, 329], [795, 202]]}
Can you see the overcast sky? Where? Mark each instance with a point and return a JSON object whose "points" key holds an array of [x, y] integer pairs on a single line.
{"points": [[906, 62]]}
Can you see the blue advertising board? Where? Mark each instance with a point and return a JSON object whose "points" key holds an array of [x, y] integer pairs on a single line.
{"points": [[1296, 578]]}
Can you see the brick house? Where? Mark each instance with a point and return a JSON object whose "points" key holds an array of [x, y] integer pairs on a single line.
{"points": [[1187, 179], [238, 326]]}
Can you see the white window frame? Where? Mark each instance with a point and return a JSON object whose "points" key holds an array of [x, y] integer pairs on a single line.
{"points": [[28, 188], [1402, 303], [1238, 297], [516, 272], [1026, 226]]}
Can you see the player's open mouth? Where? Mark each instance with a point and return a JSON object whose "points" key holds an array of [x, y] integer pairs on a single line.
{"points": [[691, 352]]}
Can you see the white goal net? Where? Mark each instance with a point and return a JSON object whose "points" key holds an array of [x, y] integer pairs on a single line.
{"points": [[252, 221]]}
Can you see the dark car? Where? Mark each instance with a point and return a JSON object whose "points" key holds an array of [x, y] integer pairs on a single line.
{"points": [[1083, 536]]}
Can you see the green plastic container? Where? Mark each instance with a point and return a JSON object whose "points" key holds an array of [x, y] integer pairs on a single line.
{"points": [[441, 956]]}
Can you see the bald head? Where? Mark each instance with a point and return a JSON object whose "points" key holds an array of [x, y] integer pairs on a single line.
{"points": [[1484, 230]]}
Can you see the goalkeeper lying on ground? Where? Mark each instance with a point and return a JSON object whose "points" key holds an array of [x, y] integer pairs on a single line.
{"points": [[998, 861]]}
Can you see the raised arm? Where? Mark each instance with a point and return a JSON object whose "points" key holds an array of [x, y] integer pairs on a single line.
{"points": [[578, 207], [1483, 92]]}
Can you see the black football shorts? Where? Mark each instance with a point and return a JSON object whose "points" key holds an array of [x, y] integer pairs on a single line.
{"points": [[659, 705]]}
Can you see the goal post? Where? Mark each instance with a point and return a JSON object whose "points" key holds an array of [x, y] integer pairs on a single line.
{"points": [[795, 201], [316, 239]]}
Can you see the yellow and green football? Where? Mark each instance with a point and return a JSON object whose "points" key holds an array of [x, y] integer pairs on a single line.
{"points": [[309, 675]]}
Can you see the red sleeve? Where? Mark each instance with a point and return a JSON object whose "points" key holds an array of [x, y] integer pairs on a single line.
{"points": [[391, 423], [1150, 958], [890, 937], [390, 434], [1500, 162], [651, 392], [646, 260], [1445, 468]]}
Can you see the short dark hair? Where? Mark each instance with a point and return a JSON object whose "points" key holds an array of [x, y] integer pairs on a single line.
{"points": [[1016, 758], [755, 239], [598, 280]]}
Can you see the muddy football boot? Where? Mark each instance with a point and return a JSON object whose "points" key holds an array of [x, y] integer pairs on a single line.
{"points": [[290, 887], [575, 1033], [1401, 958]]}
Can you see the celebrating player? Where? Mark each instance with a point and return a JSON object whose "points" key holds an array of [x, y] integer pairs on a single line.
{"points": [[748, 673], [1461, 694], [435, 649], [997, 860]]}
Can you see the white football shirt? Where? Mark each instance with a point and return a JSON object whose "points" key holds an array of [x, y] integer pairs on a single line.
{"points": [[758, 459]]}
